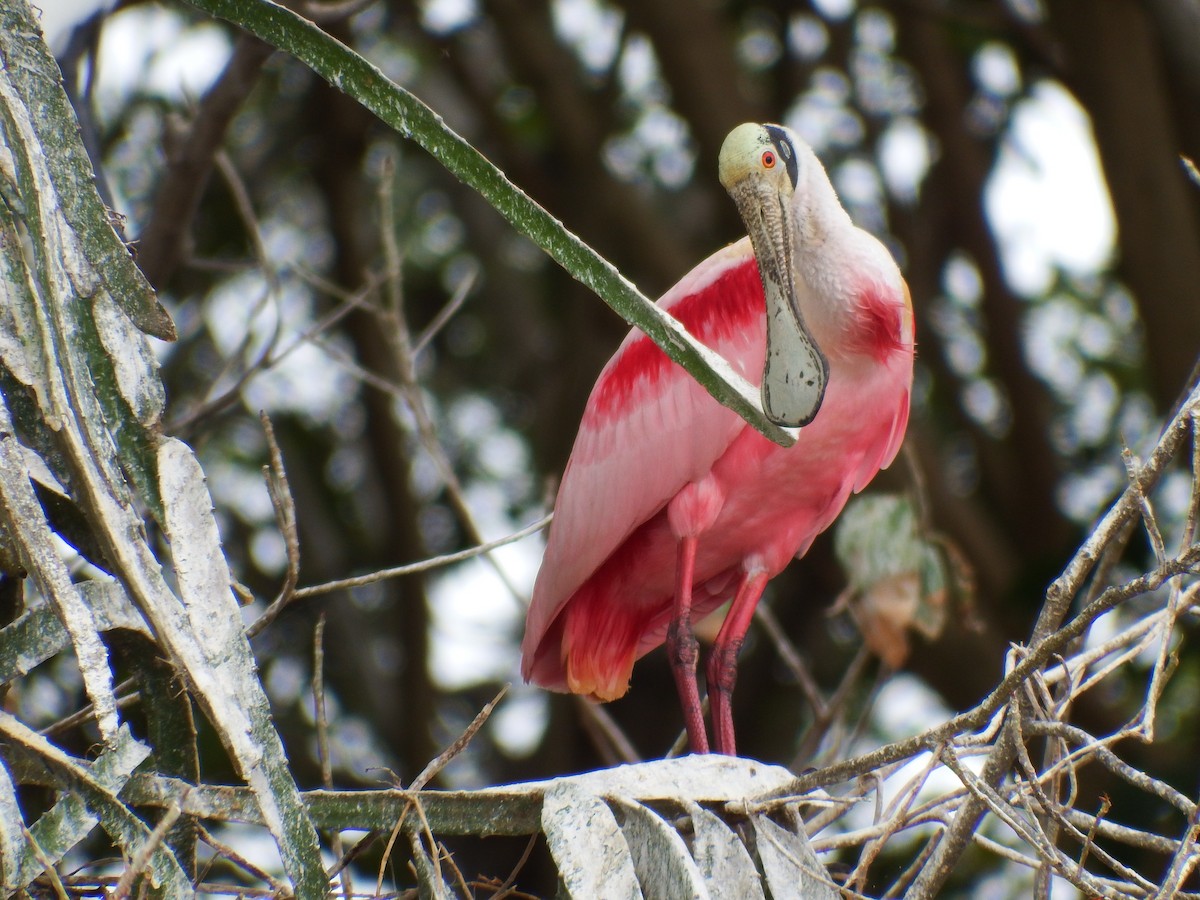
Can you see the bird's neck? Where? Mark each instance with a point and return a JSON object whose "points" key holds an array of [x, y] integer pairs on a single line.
{"points": [[842, 270], [819, 215]]}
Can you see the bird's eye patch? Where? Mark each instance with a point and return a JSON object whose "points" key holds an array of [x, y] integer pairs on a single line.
{"points": [[768, 159]]}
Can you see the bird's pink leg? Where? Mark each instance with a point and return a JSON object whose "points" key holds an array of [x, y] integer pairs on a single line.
{"points": [[722, 662], [683, 650]]}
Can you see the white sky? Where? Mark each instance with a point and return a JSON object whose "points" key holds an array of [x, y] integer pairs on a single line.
{"points": [[58, 16], [1047, 199]]}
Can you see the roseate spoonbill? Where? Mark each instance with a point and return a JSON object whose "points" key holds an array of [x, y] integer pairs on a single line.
{"points": [[671, 504]]}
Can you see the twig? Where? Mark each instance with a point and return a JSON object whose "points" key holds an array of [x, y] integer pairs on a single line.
{"points": [[1114, 763], [1027, 830], [391, 842], [126, 697], [1050, 808], [400, 343], [446, 856], [141, 859], [952, 847], [1067, 585], [422, 566], [606, 734], [868, 782], [791, 658], [1032, 681], [1051, 753], [322, 726], [819, 874], [241, 862], [1149, 519], [1192, 521], [1183, 861], [349, 364], [1113, 831], [1031, 662], [280, 492], [896, 818], [270, 356], [1105, 806], [446, 313], [439, 762], [244, 207], [882, 673], [46, 863], [917, 865], [318, 691], [358, 849], [934, 815], [1030, 862], [212, 405], [1164, 662], [415, 839], [1134, 638], [1058, 602], [821, 724], [505, 888]]}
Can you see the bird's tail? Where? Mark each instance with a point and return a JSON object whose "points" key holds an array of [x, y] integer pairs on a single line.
{"points": [[599, 643]]}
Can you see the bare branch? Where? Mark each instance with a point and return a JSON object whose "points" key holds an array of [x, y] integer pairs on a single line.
{"points": [[140, 862], [424, 565], [436, 765], [285, 518]]}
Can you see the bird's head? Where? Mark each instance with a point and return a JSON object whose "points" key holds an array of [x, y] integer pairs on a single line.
{"points": [[760, 167], [760, 155]]}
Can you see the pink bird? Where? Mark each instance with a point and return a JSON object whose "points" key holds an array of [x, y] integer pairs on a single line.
{"points": [[671, 504]]}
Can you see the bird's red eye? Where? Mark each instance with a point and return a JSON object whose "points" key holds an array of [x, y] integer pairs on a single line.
{"points": [[768, 159]]}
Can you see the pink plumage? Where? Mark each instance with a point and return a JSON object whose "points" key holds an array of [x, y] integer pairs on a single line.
{"points": [[658, 466]]}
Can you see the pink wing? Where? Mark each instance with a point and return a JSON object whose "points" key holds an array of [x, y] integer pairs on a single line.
{"points": [[648, 429]]}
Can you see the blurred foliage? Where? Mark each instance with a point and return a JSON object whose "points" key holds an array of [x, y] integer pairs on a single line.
{"points": [[900, 578]]}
